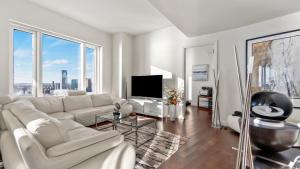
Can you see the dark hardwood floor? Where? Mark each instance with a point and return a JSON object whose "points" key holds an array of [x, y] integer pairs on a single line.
{"points": [[207, 148]]}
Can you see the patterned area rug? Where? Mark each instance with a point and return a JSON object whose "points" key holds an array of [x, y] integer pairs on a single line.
{"points": [[154, 152]]}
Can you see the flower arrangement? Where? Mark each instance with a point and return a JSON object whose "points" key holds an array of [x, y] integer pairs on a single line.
{"points": [[174, 96]]}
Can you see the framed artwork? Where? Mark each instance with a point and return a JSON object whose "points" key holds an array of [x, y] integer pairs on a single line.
{"points": [[276, 63], [200, 72]]}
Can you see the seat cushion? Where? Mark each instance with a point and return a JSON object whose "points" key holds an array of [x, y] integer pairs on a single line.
{"points": [[77, 102], [70, 124], [82, 132], [106, 109], [48, 130], [86, 116], [62, 116], [101, 100], [48, 104]]}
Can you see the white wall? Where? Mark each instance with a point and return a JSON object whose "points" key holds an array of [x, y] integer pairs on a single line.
{"points": [[164, 48], [25, 12], [116, 67], [197, 56], [122, 64]]}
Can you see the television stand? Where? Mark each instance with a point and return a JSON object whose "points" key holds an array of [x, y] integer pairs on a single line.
{"points": [[146, 106]]}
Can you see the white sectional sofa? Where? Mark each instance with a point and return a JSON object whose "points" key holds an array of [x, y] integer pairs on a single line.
{"points": [[50, 133], [79, 108]]}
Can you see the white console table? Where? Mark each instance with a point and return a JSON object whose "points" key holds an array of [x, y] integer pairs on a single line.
{"points": [[147, 107], [154, 108]]}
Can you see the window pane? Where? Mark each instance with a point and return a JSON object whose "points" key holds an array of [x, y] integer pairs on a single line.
{"points": [[61, 65], [23, 62], [90, 69]]}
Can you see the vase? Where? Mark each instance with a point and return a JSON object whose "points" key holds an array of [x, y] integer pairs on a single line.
{"points": [[179, 111], [172, 112], [165, 110]]}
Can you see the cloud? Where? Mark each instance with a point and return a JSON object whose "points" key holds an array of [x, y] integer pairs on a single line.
{"points": [[23, 53], [58, 62], [49, 63], [58, 42]]}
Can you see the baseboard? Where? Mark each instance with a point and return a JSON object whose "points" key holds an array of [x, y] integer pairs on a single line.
{"points": [[224, 123]]}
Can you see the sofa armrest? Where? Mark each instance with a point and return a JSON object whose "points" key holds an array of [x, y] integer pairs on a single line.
{"points": [[122, 157], [111, 136], [2, 122], [120, 101]]}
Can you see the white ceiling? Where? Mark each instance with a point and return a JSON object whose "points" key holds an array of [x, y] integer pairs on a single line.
{"points": [[198, 17], [129, 16], [192, 17]]}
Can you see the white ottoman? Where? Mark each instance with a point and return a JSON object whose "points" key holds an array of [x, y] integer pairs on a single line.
{"points": [[126, 108], [233, 123]]}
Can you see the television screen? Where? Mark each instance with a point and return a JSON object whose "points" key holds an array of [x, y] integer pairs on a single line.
{"points": [[147, 86]]}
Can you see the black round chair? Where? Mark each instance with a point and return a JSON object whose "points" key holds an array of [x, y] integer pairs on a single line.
{"points": [[273, 136], [268, 130], [271, 105]]}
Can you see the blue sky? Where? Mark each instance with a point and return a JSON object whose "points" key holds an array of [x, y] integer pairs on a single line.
{"points": [[57, 54], [22, 57]]}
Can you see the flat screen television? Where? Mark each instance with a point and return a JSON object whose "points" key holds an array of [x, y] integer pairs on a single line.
{"points": [[147, 86]]}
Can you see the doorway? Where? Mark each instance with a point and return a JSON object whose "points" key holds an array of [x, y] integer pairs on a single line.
{"points": [[201, 64]]}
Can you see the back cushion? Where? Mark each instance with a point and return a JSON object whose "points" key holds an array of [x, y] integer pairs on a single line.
{"points": [[102, 100], [48, 104], [6, 99], [47, 130], [77, 102], [21, 107]]}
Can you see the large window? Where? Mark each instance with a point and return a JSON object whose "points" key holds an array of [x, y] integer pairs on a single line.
{"points": [[23, 58], [61, 65], [47, 64]]}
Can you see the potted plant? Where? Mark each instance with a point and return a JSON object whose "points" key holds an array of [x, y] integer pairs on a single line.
{"points": [[174, 97]]}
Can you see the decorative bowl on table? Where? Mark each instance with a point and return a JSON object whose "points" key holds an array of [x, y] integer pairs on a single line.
{"points": [[271, 105], [268, 129], [273, 136]]}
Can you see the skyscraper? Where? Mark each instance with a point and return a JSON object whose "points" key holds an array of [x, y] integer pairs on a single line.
{"points": [[57, 86], [74, 84], [64, 79], [53, 86], [89, 85]]}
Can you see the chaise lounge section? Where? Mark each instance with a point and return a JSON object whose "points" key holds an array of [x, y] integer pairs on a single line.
{"points": [[50, 132]]}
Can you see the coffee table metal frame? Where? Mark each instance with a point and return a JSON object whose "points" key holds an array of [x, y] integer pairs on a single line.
{"points": [[127, 120]]}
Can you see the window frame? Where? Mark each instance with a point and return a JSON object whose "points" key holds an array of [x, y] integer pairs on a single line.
{"points": [[12, 59], [37, 79], [95, 66]]}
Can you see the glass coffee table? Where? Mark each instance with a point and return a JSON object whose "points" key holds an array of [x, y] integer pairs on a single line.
{"points": [[134, 123]]}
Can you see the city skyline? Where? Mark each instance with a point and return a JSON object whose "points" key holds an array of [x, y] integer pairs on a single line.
{"points": [[57, 55], [51, 88]]}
